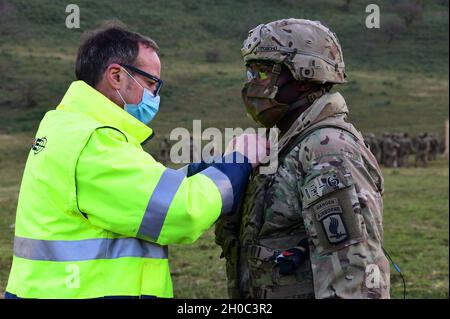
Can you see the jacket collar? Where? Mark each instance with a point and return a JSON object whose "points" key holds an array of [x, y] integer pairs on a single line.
{"points": [[328, 105], [82, 98]]}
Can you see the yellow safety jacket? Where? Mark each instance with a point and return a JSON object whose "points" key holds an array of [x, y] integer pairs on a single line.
{"points": [[96, 212]]}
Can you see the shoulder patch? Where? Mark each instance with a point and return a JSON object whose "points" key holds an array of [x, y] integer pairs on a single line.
{"points": [[335, 229], [327, 207], [328, 212], [321, 185]]}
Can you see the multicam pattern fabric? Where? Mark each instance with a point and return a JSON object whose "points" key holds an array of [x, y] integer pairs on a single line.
{"points": [[308, 48], [328, 188]]}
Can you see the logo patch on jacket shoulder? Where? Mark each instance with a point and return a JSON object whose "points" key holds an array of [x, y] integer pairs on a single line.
{"points": [[329, 213], [322, 185], [38, 144]]}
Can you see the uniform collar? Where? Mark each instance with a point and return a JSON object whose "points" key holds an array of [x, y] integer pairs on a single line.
{"points": [[328, 105], [82, 98]]}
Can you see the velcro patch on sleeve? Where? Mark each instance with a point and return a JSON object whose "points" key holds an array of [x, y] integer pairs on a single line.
{"points": [[327, 207], [329, 213], [334, 224], [323, 184]]}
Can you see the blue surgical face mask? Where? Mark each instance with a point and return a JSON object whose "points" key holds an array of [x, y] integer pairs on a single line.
{"points": [[147, 108]]}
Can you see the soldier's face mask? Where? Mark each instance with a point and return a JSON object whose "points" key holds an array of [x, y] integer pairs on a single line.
{"points": [[259, 94]]}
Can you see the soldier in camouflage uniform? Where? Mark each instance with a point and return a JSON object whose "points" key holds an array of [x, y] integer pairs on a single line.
{"points": [[405, 149], [381, 140], [374, 145], [164, 149], [312, 229], [434, 146], [422, 149], [390, 150]]}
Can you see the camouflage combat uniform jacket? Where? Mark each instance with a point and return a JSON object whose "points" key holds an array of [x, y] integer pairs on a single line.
{"points": [[328, 189]]}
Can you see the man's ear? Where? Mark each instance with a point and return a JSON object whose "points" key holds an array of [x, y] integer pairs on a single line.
{"points": [[113, 76]]}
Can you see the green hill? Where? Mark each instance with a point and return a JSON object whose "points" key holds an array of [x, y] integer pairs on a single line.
{"points": [[396, 86]]}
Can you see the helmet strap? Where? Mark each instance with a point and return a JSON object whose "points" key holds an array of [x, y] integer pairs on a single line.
{"points": [[309, 98], [298, 107]]}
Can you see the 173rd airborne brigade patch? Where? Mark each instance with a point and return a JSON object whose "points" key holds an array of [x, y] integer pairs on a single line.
{"points": [[328, 198], [328, 212]]}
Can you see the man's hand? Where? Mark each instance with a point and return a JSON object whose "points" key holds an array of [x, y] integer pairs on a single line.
{"points": [[252, 146]]}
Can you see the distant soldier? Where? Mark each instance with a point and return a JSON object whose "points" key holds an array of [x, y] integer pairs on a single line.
{"points": [[381, 140], [444, 141], [193, 151], [422, 149], [434, 146], [374, 145], [395, 137], [390, 148], [442, 145], [164, 150], [405, 149]]}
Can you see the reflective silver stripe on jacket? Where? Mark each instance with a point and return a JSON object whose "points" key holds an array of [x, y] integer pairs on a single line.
{"points": [[86, 249], [159, 204], [224, 185]]}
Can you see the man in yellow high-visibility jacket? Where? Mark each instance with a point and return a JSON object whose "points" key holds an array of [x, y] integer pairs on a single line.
{"points": [[95, 211]]}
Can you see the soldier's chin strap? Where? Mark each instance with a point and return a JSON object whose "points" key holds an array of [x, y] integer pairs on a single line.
{"points": [[308, 99], [398, 270]]}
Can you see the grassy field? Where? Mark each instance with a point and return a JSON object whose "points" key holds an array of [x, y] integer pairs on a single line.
{"points": [[397, 86], [416, 218], [392, 86]]}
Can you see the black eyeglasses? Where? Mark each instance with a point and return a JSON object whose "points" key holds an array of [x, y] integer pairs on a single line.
{"points": [[155, 79]]}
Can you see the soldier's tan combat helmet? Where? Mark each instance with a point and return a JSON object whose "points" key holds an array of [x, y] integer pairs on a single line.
{"points": [[309, 49]]}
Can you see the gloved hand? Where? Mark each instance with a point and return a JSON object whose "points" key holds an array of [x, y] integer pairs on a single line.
{"points": [[289, 260]]}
